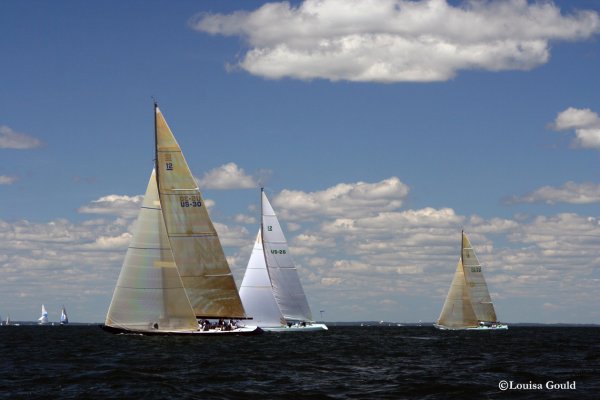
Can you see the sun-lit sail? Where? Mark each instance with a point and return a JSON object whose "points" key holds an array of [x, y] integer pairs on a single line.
{"points": [[149, 294], [468, 304], [196, 248], [256, 291], [271, 290], [174, 271]]}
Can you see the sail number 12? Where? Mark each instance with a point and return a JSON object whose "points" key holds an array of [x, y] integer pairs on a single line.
{"points": [[190, 201]]}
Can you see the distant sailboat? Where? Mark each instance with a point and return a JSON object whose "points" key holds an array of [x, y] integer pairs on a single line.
{"points": [[44, 318], [271, 290], [64, 319], [468, 305], [175, 272], [8, 321]]}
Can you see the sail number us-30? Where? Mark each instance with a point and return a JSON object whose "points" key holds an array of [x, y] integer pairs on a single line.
{"points": [[190, 201]]}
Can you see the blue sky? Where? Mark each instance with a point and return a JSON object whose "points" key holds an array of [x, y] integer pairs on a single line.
{"points": [[379, 129]]}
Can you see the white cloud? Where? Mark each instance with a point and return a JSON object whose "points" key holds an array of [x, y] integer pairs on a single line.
{"points": [[9, 139], [8, 180], [570, 192], [227, 176], [120, 205], [344, 199], [586, 124], [396, 40]]}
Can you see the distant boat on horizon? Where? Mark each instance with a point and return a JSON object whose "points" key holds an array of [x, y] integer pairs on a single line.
{"points": [[468, 305], [271, 290], [64, 319], [44, 318]]}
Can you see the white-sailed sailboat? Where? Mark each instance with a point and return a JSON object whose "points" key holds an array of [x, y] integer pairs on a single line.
{"points": [[174, 273], [64, 319], [43, 319], [271, 290], [468, 305]]}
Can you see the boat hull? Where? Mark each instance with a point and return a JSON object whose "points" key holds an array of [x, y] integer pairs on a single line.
{"points": [[296, 328], [243, 331], [496, 327]]}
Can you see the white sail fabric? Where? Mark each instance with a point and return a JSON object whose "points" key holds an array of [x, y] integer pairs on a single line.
{"points": [[477, 287], [457, 310], [197, 250], [44, 317], [256, 291], [64, 319], [149, 294], [287, 288]]}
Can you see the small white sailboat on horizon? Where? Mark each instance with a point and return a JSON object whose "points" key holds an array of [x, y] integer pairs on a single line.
{"points": [[64, 319], [271, 290], [175, 273], [43, 319], [468, 305]]}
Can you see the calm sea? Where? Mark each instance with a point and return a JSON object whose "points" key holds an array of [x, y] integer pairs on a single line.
{"points": [[345, 362]]}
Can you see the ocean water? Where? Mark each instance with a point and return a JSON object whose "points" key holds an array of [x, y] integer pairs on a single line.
{"points": [[344, 363]]}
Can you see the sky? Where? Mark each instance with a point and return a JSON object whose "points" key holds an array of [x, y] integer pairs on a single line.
{"points": [[378, 128]]}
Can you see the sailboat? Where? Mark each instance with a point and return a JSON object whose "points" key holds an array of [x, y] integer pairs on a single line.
{"points": [[468, 305], [44, 318], [64, 319], [271, 290], [8, 321], [175, 279]]}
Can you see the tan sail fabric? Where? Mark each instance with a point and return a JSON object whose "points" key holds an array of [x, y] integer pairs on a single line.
{"points": [[196, 247], [476, 285], [458, 311], [149, 294]]}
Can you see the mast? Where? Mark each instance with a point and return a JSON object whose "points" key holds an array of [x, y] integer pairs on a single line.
{"points": [[156, 145]]}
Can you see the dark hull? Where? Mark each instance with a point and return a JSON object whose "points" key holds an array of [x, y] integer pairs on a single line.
{"points": [[121, 331]]}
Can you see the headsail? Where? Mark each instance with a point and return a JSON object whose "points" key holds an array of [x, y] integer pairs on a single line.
{"points": [[284, 277], [476, 285], [457, 310], [196, 248], [149, 293], [256, 291]]}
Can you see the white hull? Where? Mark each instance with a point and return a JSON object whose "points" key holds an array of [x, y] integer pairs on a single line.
{"points": [[296, 328], [495, 327]]}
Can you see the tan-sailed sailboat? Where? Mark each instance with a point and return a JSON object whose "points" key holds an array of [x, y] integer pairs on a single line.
{"points": [[175, 278], [468, 305]]}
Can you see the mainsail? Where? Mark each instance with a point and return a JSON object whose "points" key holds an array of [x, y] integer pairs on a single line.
{"points": [[194, 243], [256, 291], [478, 290], [285, 281], [468, 302], [149, 293]]}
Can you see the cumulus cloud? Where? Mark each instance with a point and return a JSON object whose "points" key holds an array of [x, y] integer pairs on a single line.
{"points": [[9, 139], [120, 205], [8, 180], [227, 176], [585, 123], [570, 192], [344, 199], [396, 40]]}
